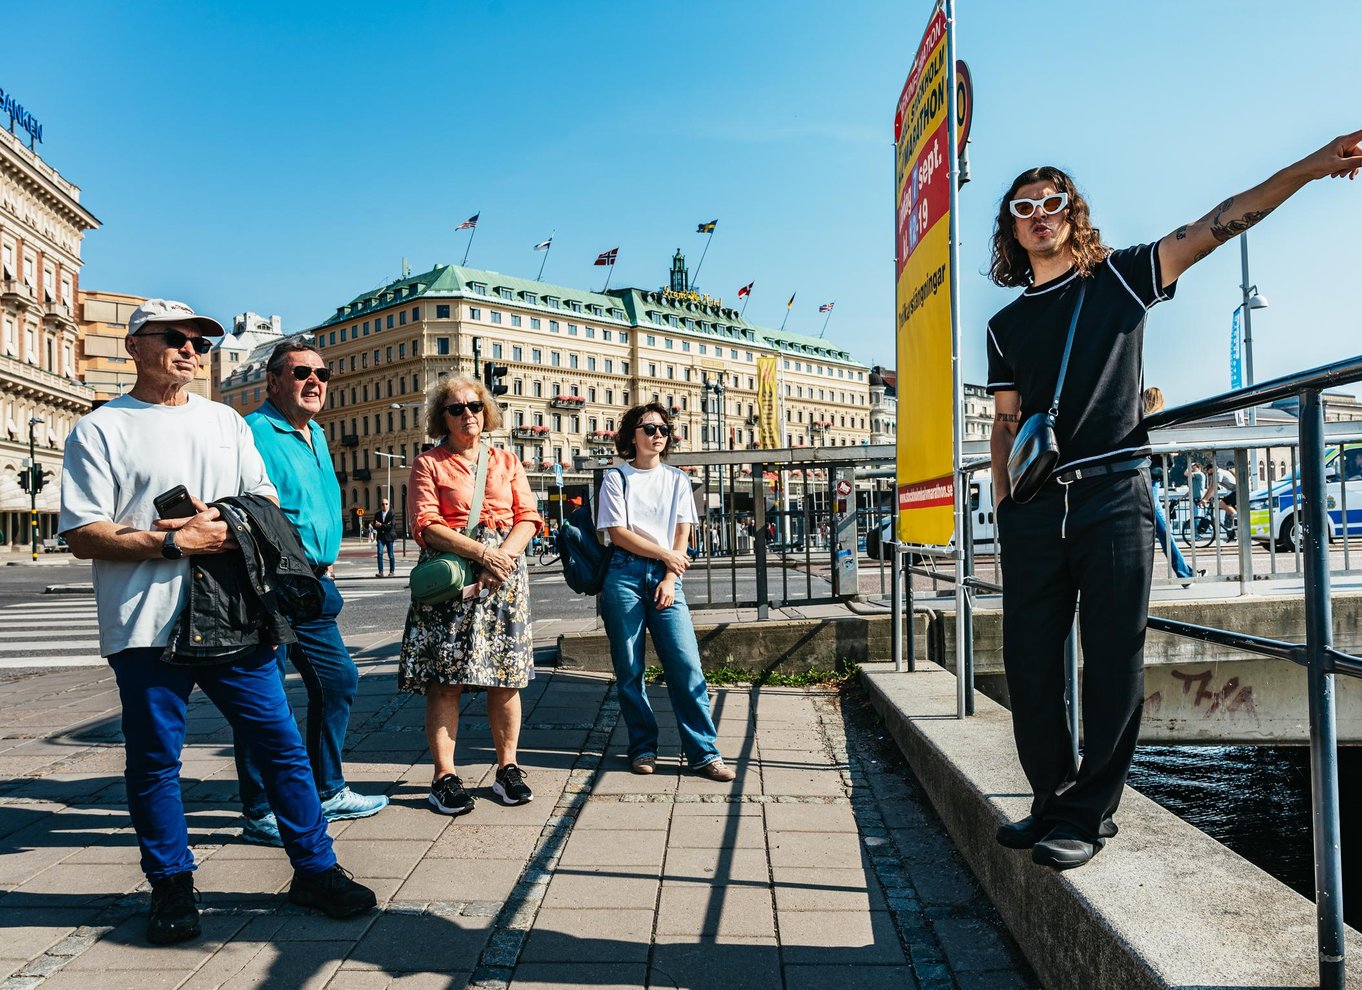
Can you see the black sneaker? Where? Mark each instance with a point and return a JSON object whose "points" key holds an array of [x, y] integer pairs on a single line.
{"points": [[174, 915], [335, 893], [448, 797], [510, 786]]}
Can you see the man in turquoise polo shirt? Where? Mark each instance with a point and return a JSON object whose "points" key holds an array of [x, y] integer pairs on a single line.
{"points": [[293, 447]]}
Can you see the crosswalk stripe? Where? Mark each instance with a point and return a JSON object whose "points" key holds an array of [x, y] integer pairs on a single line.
{"points": [[11, 663], [48, 644], [19, 632]]}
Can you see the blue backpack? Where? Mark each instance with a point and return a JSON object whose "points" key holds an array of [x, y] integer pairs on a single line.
{"points": [[585, 560]]}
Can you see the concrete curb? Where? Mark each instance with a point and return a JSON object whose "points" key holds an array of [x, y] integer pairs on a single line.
{"points": [[1163, 906]]}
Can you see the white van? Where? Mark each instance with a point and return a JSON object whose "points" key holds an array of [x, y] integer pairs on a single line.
{"points": [[981, 521]]}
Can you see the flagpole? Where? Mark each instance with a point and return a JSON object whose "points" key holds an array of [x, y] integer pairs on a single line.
{"points": [[543, 261], [608, 276], [745, 300], [701, 264], [825, 322], [789, 306], [471, 234]]}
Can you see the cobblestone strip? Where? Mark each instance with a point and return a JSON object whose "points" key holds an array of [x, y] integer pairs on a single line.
{"points": [[920, 943], [36, 971], [496, 964]]}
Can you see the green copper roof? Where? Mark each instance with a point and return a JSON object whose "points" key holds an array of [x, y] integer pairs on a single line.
{"points": [[635, 304]]}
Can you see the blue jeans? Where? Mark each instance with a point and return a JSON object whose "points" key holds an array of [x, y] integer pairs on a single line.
{"points": [[628, 608], [392, 564], [331, 679], [1175, 559], [155, 698]]}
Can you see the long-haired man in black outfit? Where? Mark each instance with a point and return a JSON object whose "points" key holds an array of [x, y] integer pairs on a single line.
{"points": [[1089, 533]]}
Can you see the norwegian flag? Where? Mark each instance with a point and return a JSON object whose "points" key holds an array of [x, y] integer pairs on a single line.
{"points": [[607, 257], [746, 290], [470, 223], [826, 307]]}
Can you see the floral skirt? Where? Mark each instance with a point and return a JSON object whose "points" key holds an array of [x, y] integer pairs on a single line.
{"points": [[479, 643]]}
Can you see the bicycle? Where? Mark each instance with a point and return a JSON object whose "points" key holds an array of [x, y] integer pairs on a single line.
{"points": [[1205, 527], [548, 551]]}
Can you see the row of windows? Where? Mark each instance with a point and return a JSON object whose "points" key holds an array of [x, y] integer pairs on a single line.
{"points": [[40, 349], [552, 302], [358, 330]]}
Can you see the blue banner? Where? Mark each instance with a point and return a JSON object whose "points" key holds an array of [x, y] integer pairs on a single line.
{"points": [[1236, 354]]}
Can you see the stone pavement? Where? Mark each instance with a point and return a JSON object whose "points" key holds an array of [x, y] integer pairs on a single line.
{"points": [[821, 865]]}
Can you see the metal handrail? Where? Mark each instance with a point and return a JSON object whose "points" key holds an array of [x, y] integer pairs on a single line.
{"points": [[1264, 393]]}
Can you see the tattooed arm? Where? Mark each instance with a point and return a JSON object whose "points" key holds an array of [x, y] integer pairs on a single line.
{"points": [[1006, 422], [1190, 243]]}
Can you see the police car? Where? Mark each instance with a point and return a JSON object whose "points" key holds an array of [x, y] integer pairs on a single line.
{"points": [[1274, 515]]}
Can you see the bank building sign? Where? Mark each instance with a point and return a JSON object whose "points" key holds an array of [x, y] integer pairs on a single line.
{"points": [[19, 116]]}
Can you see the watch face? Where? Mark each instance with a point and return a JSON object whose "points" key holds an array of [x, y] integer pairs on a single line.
{"points": [[169, 549]]}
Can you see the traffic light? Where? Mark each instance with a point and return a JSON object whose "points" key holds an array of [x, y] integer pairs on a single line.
{"points": [[25, 479], [39, 478], [492, 375]]}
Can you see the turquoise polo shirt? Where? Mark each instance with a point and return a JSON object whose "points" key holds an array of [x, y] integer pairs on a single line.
{"points": [[308, 491]]}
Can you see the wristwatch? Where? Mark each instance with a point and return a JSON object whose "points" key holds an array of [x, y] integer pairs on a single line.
{"points": [[169, 549]]}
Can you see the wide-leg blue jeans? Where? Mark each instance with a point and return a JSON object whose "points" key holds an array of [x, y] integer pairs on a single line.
{"points": [[331, 679], [1170, 548], [628, 609], [155, 698]]}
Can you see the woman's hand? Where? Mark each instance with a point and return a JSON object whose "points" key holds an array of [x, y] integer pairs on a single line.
{"points": [[497, 563], [665, 596], [676, 561]]}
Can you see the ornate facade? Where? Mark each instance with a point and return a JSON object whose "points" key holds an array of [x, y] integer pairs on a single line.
{"points": [[42, 224]]}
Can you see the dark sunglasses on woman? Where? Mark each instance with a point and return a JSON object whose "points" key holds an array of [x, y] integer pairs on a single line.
{"points": [[175, 340], [653, 429], [457, 408], [302, 372]]}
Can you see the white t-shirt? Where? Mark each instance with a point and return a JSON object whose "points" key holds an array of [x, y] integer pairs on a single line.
{"points": [[659, 499], [119, 458]]}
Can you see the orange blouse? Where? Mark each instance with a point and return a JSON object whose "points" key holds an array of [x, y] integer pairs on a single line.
{"points": [[441, 491]]}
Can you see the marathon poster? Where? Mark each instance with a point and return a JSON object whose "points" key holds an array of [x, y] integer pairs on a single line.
{"points": [[926, 433]]}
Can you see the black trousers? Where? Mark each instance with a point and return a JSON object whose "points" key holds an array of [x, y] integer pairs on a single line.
{"points": [[1094, 542]]}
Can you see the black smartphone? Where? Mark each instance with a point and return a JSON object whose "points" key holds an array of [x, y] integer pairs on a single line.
{"points": [[174, 504]]}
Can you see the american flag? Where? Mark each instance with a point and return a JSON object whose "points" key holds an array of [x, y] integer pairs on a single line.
{"points": [[746, 290], [607, 257], [470, 223], [826, 307]]}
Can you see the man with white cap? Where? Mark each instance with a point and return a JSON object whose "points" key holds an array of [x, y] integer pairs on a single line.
{"points": [[118, 459]]}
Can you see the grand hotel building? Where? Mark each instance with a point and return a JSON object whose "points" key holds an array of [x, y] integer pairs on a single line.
{"points": [[576, 360]]}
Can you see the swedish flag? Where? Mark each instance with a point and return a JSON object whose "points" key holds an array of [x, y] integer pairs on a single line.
{"points": [[707, 228]]}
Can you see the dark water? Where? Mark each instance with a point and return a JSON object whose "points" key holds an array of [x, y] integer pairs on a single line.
{"points": [[1256, 800]]}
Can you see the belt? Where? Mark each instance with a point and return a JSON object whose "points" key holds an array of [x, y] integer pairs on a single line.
{"points": [[320, 569], [1097, 470]]}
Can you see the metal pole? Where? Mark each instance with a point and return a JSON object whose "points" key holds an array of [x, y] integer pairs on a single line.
{"points": [[1323, 728], [1243, 487], [759, 539], [1248, 326], [957, 380], [909, 637], [966, 630], [896, 606], [32, 488]]}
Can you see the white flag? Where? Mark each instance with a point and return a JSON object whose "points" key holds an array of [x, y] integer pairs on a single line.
{"points": [[543, 245]]}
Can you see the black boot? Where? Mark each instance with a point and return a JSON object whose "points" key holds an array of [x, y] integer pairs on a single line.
{"points": [[334, 892], [174, 915]]}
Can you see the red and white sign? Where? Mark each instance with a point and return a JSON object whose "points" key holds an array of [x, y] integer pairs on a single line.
{"points": [[844, 488]]}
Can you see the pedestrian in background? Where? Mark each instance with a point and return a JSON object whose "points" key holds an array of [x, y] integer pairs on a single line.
{"points": [[384, 525], [117, 460], [293, 446], [1153, 402], [480, 643], [647, 511]]}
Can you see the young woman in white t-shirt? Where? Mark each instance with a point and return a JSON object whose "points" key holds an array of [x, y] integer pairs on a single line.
{"points": [[647, 509]]}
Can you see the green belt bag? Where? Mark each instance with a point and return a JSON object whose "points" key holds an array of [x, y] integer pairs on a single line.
{"points": [[442, 578]]}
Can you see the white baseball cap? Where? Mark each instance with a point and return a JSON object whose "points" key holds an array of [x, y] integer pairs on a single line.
{"points": [[170, 311]]}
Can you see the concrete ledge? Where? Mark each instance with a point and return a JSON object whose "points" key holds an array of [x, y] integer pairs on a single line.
{"points": [[788, 646], [1164, 905]]}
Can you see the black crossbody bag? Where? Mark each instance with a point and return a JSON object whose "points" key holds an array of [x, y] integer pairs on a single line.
{"points": [[1035, 450]]}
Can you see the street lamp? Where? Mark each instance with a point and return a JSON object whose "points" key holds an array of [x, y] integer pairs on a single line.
{"points": [[33, 486], [1252, 301]]}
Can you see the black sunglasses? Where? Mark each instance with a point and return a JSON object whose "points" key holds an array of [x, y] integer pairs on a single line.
{"points": [[175, 340], [653, 429], [457, 408], [302, 372]]}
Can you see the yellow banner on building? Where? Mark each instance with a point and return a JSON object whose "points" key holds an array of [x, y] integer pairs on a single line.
{"points": [[926, 391], [768, 426]]}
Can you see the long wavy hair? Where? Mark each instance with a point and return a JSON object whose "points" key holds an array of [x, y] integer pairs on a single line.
{"points": [[1011, 266]]}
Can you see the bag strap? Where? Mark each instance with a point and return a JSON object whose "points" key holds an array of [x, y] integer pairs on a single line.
{"points": [[1068, 346], [479, 488]]}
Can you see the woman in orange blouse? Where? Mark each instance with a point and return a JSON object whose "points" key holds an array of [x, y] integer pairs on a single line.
{"points": [[482, 640]]}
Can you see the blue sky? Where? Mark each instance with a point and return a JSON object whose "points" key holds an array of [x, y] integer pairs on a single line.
{"points": [[283, 158]]}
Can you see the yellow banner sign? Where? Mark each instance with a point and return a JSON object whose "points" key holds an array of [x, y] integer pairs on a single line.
{"points": [[768, 428], [926, 393]]}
